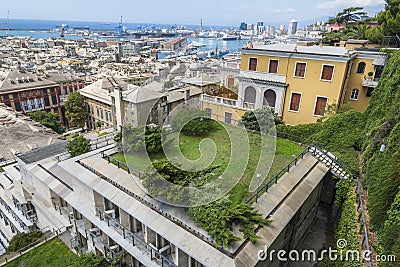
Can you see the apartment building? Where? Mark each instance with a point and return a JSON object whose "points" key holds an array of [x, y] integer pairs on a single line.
{"points": [[26, 92], [110, 100], [298, 81]]}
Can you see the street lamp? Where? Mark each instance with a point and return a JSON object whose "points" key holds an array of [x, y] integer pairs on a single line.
{"points": [[258, 179]]}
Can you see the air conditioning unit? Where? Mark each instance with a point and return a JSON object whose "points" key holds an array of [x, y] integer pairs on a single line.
{"points": [[110, 213], [95, 231]]}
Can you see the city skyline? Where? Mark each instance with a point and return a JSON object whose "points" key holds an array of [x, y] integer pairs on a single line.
{"points": [[179, 12]]}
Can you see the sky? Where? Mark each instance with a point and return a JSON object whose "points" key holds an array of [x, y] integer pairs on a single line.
{"points": [[213, 12]]}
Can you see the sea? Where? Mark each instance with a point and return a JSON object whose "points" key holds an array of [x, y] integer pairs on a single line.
{"points": [[44, 29]]}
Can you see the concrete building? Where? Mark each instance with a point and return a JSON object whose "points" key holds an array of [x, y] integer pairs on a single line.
{"points": [[103, 210], [292, 28]]}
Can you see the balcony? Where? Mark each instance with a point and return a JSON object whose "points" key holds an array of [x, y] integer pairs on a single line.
{"points": [[370, 83], [136, 240]]}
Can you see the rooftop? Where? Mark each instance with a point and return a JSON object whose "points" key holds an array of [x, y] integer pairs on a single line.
{"points": [[294, 48], [19, 134]]}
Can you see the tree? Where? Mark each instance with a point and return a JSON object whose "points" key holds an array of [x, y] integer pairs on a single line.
{"points": [[22, 240], [78, 146], [76, 111], [348, 16], [48, 119], [194, 122], [136, 139], [389, 19], [264, 117]]}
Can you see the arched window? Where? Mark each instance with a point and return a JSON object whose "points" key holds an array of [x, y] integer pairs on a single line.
{"points": [[250, 95], [361, 67], [354, 94], [269, 98]]}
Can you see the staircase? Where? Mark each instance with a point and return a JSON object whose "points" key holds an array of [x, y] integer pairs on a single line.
{"points": [[331, 162]]}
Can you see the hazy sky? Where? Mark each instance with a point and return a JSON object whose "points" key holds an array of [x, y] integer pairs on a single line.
{"points": [[213, 12]]}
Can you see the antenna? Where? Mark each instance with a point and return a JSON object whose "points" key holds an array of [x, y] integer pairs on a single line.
{"points": [[120, 21], [8, 18]]}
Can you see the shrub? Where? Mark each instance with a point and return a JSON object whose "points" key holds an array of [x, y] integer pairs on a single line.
{"points": [[22, 240], [78, 146], [193, 122]]}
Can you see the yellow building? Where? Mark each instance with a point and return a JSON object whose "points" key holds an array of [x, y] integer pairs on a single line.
{"points": [[299, 81]]}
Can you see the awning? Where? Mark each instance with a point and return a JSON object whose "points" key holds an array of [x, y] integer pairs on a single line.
{"points": [[379, 62]]}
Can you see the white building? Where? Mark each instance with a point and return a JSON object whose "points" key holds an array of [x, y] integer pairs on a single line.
{"points": [[292, 27]]}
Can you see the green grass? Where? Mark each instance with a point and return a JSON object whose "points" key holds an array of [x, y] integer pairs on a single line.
{"points": [[50, 254], [1, 169], [189, 146]]}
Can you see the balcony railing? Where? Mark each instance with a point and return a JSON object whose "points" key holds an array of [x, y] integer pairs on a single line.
{"points": [[13, 214], [369, 83], [134, 239]]}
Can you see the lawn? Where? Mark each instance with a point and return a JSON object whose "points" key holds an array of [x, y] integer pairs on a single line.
{"points": [[189, 147], [52, 253]]}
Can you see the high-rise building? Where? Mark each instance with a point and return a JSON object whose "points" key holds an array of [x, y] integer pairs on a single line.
{"points": [[292, 27], [270, 30], [243, 26]]}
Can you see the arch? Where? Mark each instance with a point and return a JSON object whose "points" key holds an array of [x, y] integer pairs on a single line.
{"points": [[354, 94], [361, 67], [269, 98], [250, 95]]}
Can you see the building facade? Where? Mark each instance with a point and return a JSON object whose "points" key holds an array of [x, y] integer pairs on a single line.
{"points": [[298, 81], [26, 92]]}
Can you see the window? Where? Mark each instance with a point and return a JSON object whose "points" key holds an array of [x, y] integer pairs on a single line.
{"points": [[52, 90], [300, 69], [354, 94], [209, 112], [370, 91], [228, 117], [320, 106], [253, 64], [361, 67], [15, 96], [273, 66], [106, 116], [327, 72], [54, 100], [231, 82], [44, 91], [17, 106], [6, 97], [47, 101], [295, 102], [101, 113]]}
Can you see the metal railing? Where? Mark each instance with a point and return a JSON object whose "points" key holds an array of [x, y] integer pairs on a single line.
{"points": [[134, 239], [121, 165], [13, 214], [274, 180], [156, 209]]}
